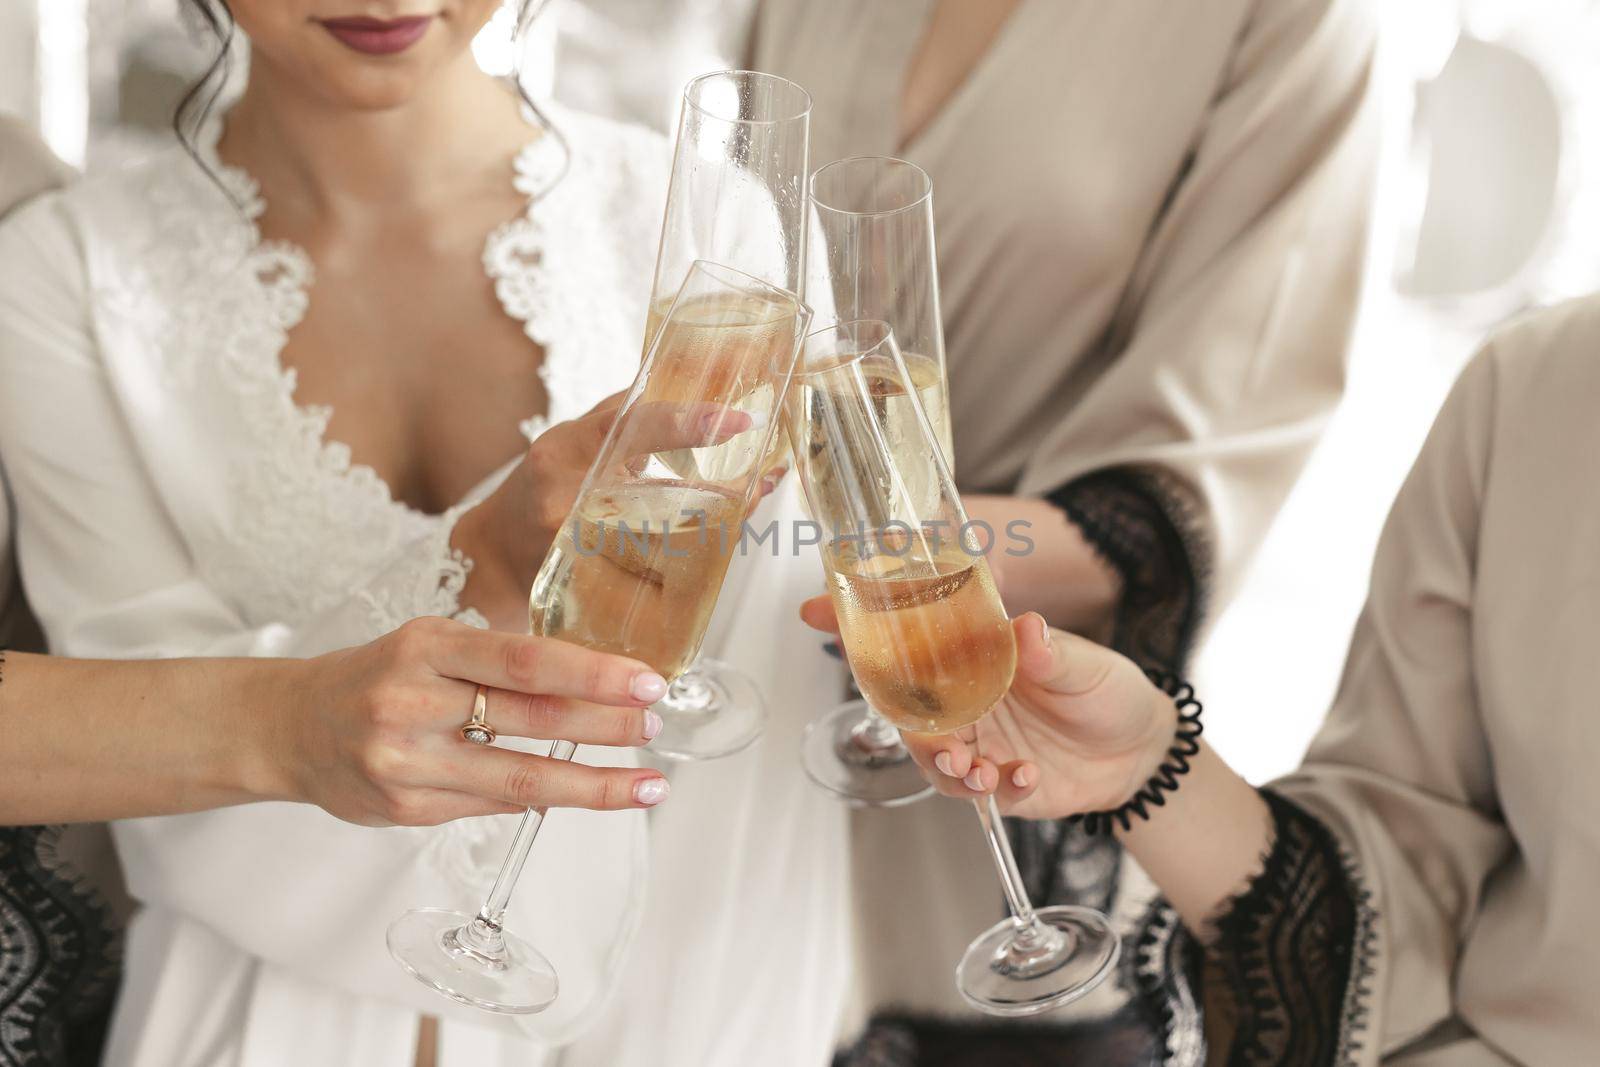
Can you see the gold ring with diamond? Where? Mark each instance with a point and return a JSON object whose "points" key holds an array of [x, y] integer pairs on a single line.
{"points": [[475, 729]]}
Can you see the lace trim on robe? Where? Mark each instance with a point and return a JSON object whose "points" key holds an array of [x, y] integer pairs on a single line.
{"points": [[60, 956], [227, 302], [1146, 524], [1287, 980]]}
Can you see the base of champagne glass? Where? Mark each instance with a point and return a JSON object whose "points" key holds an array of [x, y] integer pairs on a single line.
{"points": [[1001, 974], [860, 769], [505, 974], [712, 710]]}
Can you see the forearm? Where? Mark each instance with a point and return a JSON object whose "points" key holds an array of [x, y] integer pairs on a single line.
{"points": [[87, 740], [1047, 566], [1205, 846]]}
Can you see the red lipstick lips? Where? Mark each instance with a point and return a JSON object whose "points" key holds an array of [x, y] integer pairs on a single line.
{"points": [[378, 37]]}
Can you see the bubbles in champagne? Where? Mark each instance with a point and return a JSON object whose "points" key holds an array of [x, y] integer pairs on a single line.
{"points": [[636, 570], [927, 639]]}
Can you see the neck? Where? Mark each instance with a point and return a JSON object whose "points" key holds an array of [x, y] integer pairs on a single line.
{"points": [[314, 156]]}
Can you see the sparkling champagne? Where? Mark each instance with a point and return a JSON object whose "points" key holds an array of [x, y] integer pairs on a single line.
{"points": [[719, 349], [840, 472], [928, 641], [636, 571]]}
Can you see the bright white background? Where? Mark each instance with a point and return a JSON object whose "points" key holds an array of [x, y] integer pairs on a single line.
{"points": [[1270, 665]]}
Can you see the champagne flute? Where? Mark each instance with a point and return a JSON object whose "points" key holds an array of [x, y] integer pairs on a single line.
{"points": [[923, 626], [871, 256], [635, 570], [737, 196]]}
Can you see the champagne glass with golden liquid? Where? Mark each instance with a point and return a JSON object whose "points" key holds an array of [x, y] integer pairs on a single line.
{"points": [[636, 569], [871, 255], [737, 196], [922, 625]]}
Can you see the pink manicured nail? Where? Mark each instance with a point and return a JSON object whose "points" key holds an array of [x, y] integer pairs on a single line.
{"points": [[942, 761], [652, 724], [973, 781], [1022, 777], [651, 791], [648, 686], [1044, 631]]}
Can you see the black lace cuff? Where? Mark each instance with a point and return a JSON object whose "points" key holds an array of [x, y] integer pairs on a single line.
{"points": [[1147, 526], [60, 951], [1284, 982]]}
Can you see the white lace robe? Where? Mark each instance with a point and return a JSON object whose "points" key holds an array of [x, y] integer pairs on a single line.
{"points": [[174, 499]]}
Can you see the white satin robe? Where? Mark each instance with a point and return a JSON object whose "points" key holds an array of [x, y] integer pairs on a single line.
{"points": [[173, 499]]}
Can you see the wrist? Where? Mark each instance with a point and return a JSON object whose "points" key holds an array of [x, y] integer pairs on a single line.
{"points": [[267, 700], [1161, 732], [1163, 758], [498, 574]]}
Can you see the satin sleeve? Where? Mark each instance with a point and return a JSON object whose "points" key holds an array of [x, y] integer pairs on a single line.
{"points": [[1345, 947], [1227, 353]]}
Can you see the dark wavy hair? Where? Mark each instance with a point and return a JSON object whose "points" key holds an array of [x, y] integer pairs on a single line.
{"points": [[196, 104], [216, 18]]}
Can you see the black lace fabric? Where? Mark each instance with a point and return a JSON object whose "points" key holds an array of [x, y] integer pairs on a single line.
{"points": [[1285, 976], [1147, 525], [60, 950], [1123, 1040]]}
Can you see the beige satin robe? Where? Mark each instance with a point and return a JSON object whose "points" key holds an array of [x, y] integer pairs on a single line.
{"points": [[1151, 221], [1459, 763]]}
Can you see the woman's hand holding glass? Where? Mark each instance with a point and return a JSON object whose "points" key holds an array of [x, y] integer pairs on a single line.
{"points": [[1081, 729], [373, 736]]}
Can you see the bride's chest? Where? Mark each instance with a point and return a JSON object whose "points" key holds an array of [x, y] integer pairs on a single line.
{"points": [[283, 513], [431, 395]]}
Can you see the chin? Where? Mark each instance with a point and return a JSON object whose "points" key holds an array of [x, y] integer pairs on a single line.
{"points": [[363, 83], [374, 91], [366, 85]]}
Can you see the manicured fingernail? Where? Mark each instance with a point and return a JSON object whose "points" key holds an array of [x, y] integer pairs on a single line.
{"points": [[651, 791], [652, 724], [647, 685], [973, 781], [1044, 631], [1022, 777], [727, 423], [942, 761]]}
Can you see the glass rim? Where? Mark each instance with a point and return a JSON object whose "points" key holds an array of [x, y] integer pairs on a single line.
{"points": [[884, 341], [724, 272], [895, 162], [691, 97]]}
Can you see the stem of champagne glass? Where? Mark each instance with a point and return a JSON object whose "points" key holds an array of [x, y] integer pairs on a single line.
{"points": [[874, 733], [689, 691], [1032, 941], [484, 932]]}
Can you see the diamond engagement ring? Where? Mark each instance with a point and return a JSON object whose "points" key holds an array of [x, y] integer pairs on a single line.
{"points": [[475, 729]]}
